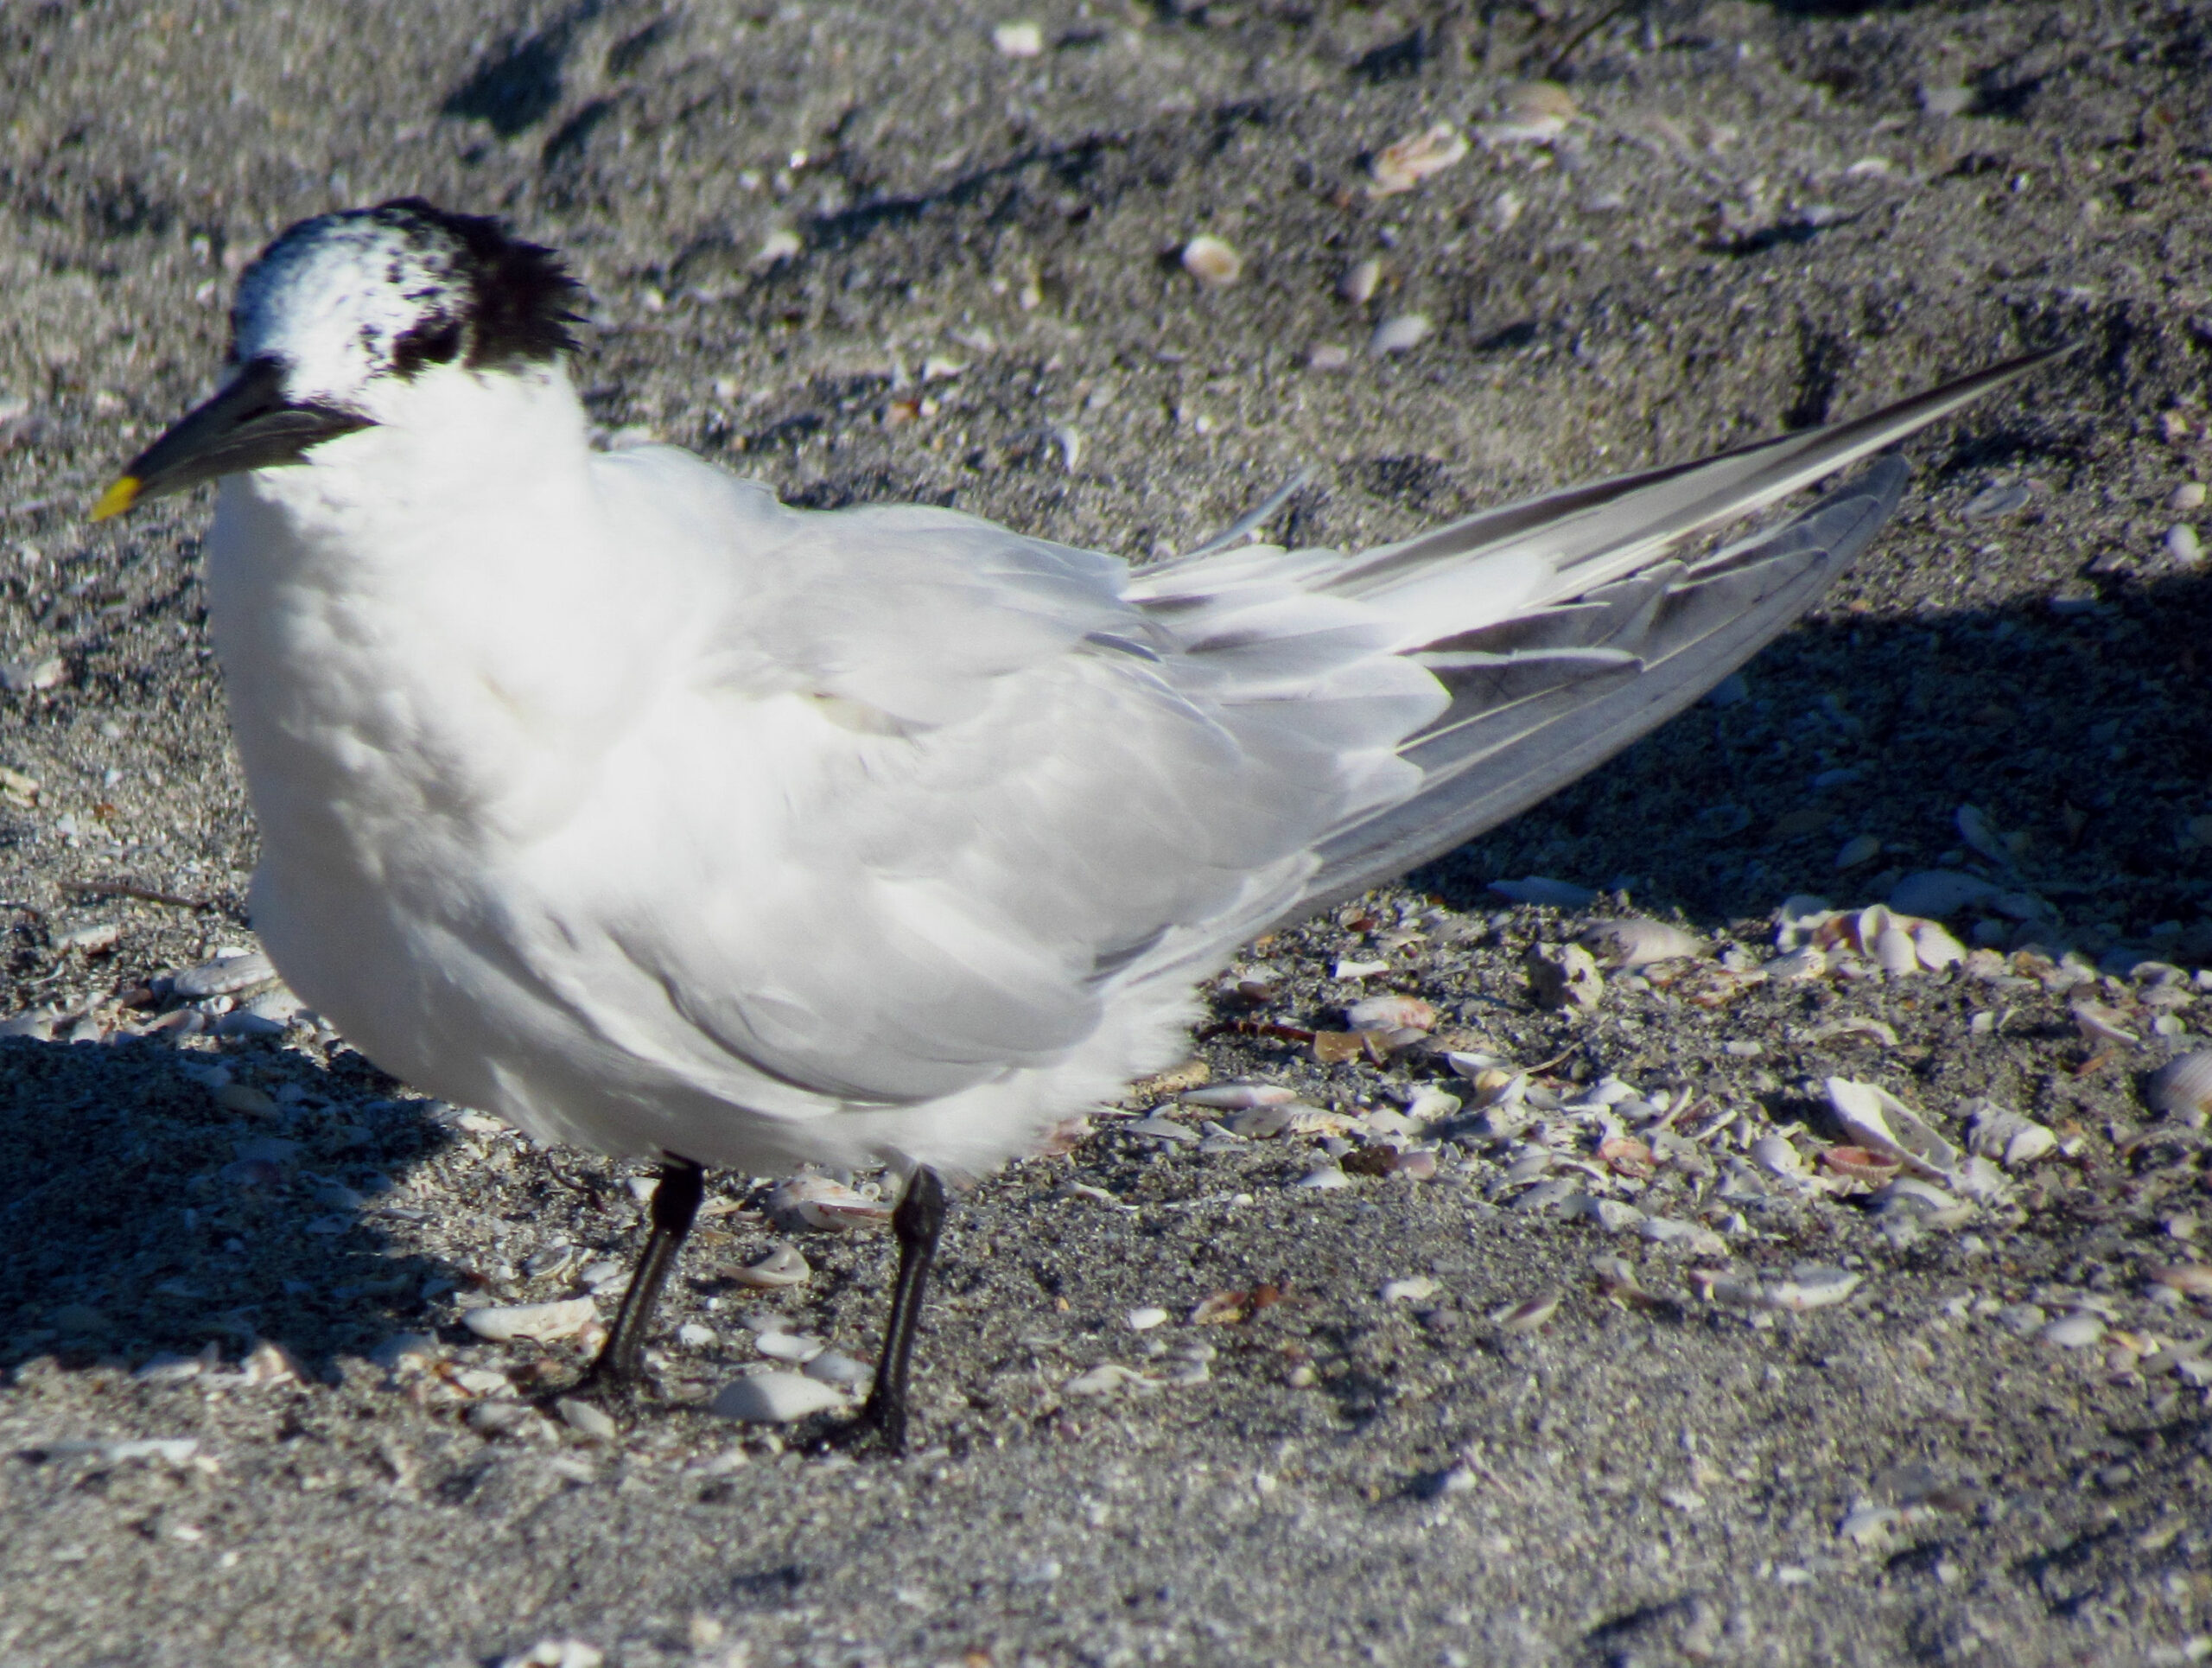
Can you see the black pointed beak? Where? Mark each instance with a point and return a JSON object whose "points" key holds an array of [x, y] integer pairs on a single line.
{"points": [[248, 425]]}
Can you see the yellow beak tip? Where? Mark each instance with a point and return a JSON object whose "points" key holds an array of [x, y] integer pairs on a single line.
{"points": [[117, 499]]}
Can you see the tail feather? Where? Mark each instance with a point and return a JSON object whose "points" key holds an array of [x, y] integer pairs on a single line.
{"points": [[1526, 721], [1567, 544]]}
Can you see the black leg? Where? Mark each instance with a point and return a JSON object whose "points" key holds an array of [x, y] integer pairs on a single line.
{"points": [[916, 1222], [676, 1202]]}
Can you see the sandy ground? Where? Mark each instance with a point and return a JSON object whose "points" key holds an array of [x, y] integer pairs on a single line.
{"points": [[1761, 215]]}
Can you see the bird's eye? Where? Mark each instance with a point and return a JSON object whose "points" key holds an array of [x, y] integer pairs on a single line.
{"points": [[433, 342]]}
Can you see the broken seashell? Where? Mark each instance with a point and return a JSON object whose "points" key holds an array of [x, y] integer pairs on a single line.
{"points": [[1565, 976], [2190, 1279], [775, 1398], [1529, 1314], [1859, 1164], [1391, 1014], [1878, 1120], [1397, 334], [1240, 1096], [1401, 167], [780, 1266], [2182, 1089], [1775, 1156], [1360, 282], [1935, 946], [1635, 941], [1810, 1286], [2100, 1024], [542, 1323], [809, 1200], [2008, 1137]]}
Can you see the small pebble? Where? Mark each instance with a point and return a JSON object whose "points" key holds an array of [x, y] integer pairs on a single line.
{"points": [[1408, 1291], [1144, 1319], [1323, 1176], [1018, 41], [2184, 544], [586, 1419], [1212, 261], [1398, 333], [1360, 282]]}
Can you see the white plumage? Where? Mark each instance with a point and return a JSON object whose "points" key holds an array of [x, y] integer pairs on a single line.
{"points": [[605, 792]]}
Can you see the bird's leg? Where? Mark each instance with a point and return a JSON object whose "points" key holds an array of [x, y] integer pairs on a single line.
{"points": [[916, 1222], [676, 1202]]}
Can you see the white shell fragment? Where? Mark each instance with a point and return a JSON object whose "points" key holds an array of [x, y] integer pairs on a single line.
{"points": [[1811, 1287], [835, 1368], [1391, 1014], [1866, 1525], [1535, 112], [1565, 976], [1529, 1314], [2007, 1138], [542, 1323], [807, 1200], [2098, 1022], [1145, 1318], [1212, 261], [774, 1398], [1409, 1290], [2190, 1279], [1878, 1120], [222, 976], [1398, 333], [2182, 1089], [1104, 1380], [1775, 1156], [1239, 1097], [1401, 167], [1634, 941], [1018, 41], [781, 1266], [1360, 282], [2076, 1330]]}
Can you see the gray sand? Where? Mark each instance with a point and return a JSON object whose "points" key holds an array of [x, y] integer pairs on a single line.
{"points": [[1769, 214]]}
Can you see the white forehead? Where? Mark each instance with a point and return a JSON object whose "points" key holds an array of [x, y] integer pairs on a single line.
{"points": [[331, 296]]}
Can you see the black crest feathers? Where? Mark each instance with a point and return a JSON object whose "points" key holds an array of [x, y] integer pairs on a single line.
{"points": [[520, 300]]}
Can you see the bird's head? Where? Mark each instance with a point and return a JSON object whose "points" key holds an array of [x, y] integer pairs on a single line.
{"points": [[337, 321]]}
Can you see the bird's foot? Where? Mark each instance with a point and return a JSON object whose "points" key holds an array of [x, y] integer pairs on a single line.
{"points": [[600, 1404], [879, 1428]]}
